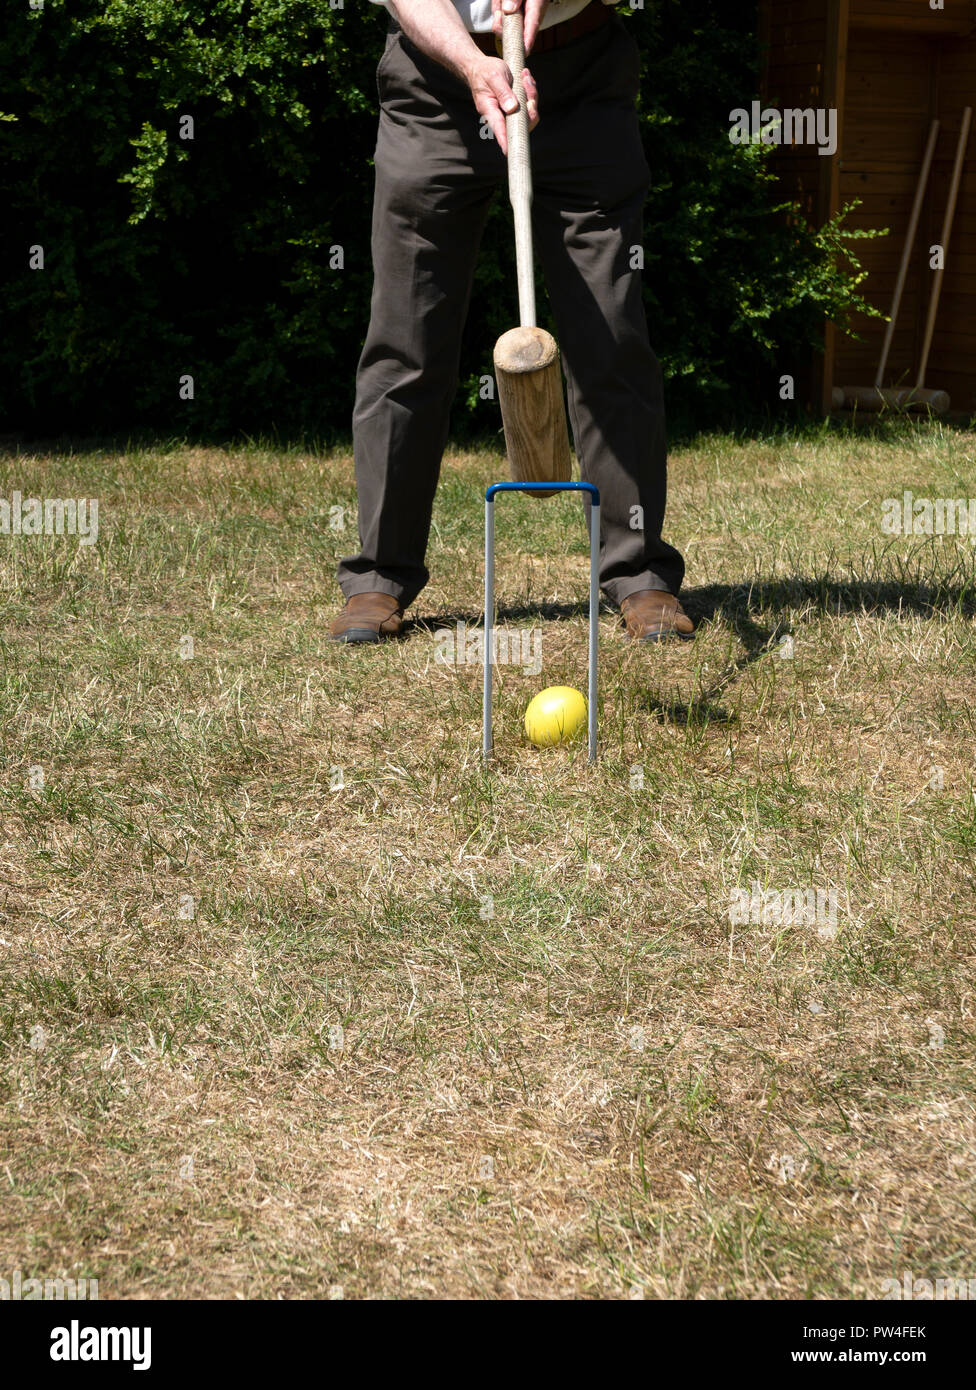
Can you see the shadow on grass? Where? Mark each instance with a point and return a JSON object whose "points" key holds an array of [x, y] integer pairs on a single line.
{"points": [[526, 612], [822, 595], [701, 710], [756, 639], [737, 606]]}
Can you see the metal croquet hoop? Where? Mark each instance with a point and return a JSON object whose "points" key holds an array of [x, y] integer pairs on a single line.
{"points": [[489, 655]]}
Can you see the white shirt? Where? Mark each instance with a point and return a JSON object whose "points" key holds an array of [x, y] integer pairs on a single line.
{"points": [[477, 13]]}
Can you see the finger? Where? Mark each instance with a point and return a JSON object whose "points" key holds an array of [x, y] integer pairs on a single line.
{"points": [[499, 129], [531, 97], [502, 92], [533, 16], [499, 8]]}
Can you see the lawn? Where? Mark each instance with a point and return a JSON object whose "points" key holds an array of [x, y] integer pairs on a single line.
{"points": [[298, 1000]]}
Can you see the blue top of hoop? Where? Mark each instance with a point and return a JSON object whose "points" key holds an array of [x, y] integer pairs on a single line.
{"points": [[591, 488]]}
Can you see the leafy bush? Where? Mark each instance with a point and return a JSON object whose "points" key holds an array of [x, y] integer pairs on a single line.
{"points": [[211, 257]]}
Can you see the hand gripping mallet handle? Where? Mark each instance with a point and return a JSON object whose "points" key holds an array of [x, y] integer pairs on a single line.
{"points": [[519, 168]]}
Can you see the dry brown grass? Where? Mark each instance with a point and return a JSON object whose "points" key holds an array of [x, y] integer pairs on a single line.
{"points": [[562, 1071]]}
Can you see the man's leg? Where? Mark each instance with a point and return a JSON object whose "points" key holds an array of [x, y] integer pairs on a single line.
{"points": [[591, 179], [434, 181]]}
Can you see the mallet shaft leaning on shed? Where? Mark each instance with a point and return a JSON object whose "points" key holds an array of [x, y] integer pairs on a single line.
{"points": [[950, 213], [906, 252]]}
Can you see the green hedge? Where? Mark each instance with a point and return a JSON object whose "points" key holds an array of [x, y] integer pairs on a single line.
{"points": [[210, 257]]}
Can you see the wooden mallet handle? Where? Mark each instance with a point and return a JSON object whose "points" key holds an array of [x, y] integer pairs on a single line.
{"points": [[519, 168]]}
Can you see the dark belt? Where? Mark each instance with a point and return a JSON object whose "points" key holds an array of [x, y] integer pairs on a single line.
{"points": [[592, 17]]}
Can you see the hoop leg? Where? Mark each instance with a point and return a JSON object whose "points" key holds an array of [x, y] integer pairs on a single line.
{"points": [[594, 624], [489, 621]]}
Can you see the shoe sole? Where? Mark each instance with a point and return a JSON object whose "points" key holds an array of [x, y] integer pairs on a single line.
{"points": [[357, 635]]}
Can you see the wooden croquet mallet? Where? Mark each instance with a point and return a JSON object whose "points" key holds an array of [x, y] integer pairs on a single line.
{"points": [[527, 371], [950, 212]]}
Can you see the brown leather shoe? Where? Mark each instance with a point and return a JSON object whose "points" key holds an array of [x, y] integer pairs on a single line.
{"points": [[367, 618], [654, 615]]}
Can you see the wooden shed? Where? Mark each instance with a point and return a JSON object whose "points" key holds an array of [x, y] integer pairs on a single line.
{"points": [[888, 67]]}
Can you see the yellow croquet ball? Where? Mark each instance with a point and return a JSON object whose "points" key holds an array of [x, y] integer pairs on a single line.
{"points": [[555, 716]]}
